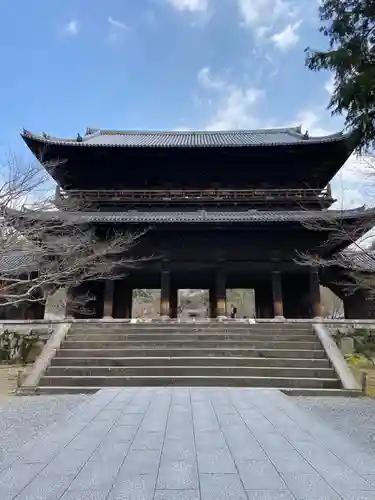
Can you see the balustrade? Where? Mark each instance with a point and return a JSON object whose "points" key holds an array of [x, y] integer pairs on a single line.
{"points": [[195, 195]]}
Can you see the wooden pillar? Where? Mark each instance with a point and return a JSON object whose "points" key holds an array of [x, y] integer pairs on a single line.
{"points": [[173, 302], [69, 307], [128, 301], [109, 288], [277, 294], [221, 294], [316, 305], [212, 303], [165, 294]]}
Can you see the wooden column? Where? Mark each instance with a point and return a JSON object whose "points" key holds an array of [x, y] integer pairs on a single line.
{"points": [[277, 294], [109, 288], [316, 305], [128, 301], [69, 307], [221, 294], [212, 303], [173, 302], [165, 294]]}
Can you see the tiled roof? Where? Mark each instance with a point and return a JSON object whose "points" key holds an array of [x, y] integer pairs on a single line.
{"points": [[18, 262], [202, 216], [164, 139], [357, 261]]}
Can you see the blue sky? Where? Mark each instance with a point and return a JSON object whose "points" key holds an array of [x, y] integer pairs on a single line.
{"points": [[160, 64]]}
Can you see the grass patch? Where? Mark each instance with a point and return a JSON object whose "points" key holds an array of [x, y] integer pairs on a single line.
{"points": [[364, 367]]}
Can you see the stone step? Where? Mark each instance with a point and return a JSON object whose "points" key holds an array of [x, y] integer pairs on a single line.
{"points": [[177, 352], [180, 328], [191, 344], [312, 392], [110, 336], [197, 361], [66, 390], [294, 392], [160, 381], [186, 371]]}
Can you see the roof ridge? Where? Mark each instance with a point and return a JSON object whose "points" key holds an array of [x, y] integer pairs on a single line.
{"points": [[192, 131]]}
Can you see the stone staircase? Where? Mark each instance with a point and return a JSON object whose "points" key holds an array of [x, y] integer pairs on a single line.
{"points": [[261, 355]]}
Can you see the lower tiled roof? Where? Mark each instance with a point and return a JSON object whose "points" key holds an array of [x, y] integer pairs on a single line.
{"points": [[19, 262], [357, 261], [202, 216]]}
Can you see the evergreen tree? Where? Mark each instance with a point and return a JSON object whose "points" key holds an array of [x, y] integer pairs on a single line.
{"points": [[349, 26]]}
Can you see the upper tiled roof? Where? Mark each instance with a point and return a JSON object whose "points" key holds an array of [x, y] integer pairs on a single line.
{"points": [[202, 216], [164, 139]]}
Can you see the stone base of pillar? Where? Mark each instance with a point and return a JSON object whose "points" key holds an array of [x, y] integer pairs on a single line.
{"points": [[165, 318], [221, 318], [280, 318]]}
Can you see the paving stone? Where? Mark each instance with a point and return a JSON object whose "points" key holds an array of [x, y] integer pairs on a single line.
{"points": [[138, 487], [131, 409], [177, 495], [345, 479], [108, 451], [291, 462], [210, 440], [259, 475], [309, 486], [19, 475], [67, 462], [121, 433], [96, 475], [141, 462], [125, 443], [359, 495], [176, 449], [221, 487], [226, 419], [270, 495], [41, 454], [130, 419], [46, 488], [148, 441], [108, 415], [178, 475], [370, 478], [216, 462], [85, 495], [180, 431]]}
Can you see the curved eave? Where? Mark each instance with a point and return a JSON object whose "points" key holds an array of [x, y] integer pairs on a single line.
{"points": [[329, 217], [35, 141]]}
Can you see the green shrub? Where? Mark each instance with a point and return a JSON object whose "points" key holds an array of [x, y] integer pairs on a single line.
{"points": [[15, 347]]}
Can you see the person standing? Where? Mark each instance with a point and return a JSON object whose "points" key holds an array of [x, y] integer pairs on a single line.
{"points": [[233, 312]]}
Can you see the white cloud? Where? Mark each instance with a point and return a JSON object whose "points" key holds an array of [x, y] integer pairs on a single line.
{"points": [[311, 121], [329, 85], [286, 38], [261, 15], [117, 31], [71, 28], [207, 81], [190, 5], [353, 186], [236, 105]]}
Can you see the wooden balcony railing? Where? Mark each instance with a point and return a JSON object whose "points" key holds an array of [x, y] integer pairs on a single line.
{"points": [[195, 195]]}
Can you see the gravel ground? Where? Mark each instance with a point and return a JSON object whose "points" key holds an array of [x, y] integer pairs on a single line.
{"points": [[22, 418], [350, 417]]}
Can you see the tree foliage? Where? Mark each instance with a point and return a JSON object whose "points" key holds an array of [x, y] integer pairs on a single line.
{"points": [[349, 26]]}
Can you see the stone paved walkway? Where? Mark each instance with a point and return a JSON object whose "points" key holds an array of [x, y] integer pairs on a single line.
{"points": [[181, 444]]}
